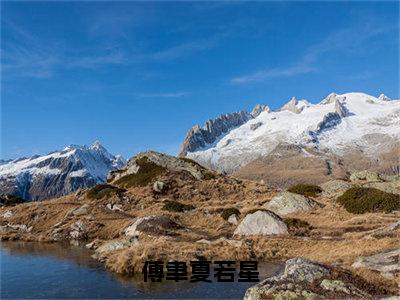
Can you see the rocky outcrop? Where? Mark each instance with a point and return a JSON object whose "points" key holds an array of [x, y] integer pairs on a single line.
{"points": [[114, 245], [287, 203], [159, 161], [365, 175], [387, 263], [258, 109], [304, 279], [392, 187], [199, 137], [383, 97], [295, 106], [58, 173], [334, 188], [261, 222], [153, 225]]}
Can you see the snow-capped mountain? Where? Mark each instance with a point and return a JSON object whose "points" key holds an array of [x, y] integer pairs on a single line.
{"points": [[204, 137], [338, 125], [58, 173]]}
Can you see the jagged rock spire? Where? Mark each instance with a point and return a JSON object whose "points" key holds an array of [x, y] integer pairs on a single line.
{"points": [[258, 109]]}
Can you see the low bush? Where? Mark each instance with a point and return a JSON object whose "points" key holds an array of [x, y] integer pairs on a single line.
{"points": [[209, 175], [297, 226], [359, 200], [10, 200], [308, 190], [191, 161], [175, 206], [147, 173], [227, 212], [104, 190]]}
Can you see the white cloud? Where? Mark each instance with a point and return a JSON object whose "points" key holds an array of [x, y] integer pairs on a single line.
{"points": [[162, 95], [350, 40]]}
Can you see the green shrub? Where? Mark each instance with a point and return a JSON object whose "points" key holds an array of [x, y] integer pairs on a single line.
{"points": [[227, 212], [361, 200], [104, 190], [148, 172], [175, 206], [209, 175], [10, 200], [297, 226], [305, 189]]}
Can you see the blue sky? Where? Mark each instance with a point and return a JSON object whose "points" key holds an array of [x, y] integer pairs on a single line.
{"points": [[138, 75]]}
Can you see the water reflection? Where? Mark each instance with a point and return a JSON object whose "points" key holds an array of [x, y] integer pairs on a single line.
{"points": [[42, 270]]}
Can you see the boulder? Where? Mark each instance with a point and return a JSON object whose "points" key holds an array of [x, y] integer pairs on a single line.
{"points": [[233, 219], [261, 222], [162, 162], [114, 207], [304, 279], [8, 214], [286, 203], [153, 225], [335, 188], [80, 210], [78, 230], [392, 187], [369, 176], [386, 262], [159, 186], [116, 245]]}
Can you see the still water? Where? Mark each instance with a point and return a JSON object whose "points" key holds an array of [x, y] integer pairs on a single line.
{"points": [[49, 271]]}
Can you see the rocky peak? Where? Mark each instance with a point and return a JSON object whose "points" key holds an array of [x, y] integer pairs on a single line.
{"points": [[332, 98], [340, 109], [258, 109], [295, 106], [200, 137], [383, 97]]}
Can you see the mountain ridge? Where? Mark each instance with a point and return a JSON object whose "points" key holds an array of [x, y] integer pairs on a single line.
{"points": [[58, 172], [338, 124]]}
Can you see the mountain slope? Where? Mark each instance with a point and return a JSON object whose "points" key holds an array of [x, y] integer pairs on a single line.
{"points": [[338, 125], [202, 137], [57, 173]]}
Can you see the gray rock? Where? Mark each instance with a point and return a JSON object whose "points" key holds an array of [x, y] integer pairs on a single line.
{"points": [[153, 225], [340, 286], [114, 207], [233, 219], [170, 163], [261, 223], [300, 280], [16, 227], [116, 245], [78, 230], [286, 203], [300, 269], [384, 262], [369, 176], [8, 214], [388, 187], [81, 210], [159, 186], [335, 188]]}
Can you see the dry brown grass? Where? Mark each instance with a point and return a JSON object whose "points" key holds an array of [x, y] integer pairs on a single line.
{"points": [[337, 235]]}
